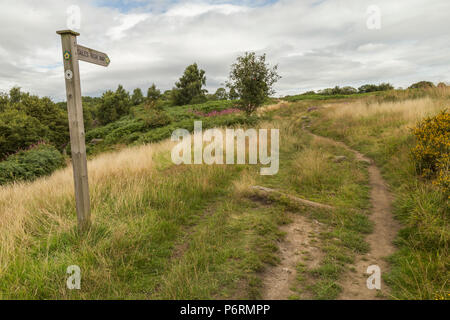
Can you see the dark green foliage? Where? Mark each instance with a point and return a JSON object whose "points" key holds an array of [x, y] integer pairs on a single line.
{"points": [[30, 164], [252, 80], [233, 95], [221, 94], [4, 101], [150, 123], [153, 94], [137, 97], [49, 115], [373, 87], [154, 117], [167, 96], [114, 105], [189, 88], [15, 95], [18, 131], [422, 85], [26, 119]]}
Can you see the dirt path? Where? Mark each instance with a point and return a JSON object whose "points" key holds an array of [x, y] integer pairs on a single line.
{"points": [[299, 237], [380, 240]]}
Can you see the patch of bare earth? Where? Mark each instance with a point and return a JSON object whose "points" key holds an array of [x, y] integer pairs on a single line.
{"points": [[278, 279], [381, 240]]}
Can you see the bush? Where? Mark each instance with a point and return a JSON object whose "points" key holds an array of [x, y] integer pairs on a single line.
{"points": [[19, 131], [39, 160], [114, 105], [422, 85], [373, 87], [154, 117], [432, 149], [49, 115]]}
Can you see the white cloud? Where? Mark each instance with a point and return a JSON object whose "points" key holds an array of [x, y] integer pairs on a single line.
{"points": [[127, 22], [316, 43]]}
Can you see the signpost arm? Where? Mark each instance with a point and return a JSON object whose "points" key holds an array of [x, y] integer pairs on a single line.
{"points": [[76, 126]]}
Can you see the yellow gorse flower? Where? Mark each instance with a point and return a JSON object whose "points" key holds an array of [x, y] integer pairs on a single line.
{"points": [[432, 150]]}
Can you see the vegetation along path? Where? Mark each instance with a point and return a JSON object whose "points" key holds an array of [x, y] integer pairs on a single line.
{"points": [[380, 240]]}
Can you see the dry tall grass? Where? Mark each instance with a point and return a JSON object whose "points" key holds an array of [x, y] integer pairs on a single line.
{"points": [[381, 127], [410, 111], [49, 199]]}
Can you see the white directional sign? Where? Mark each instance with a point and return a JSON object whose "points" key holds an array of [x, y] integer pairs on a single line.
{"points": [[92, 56]]}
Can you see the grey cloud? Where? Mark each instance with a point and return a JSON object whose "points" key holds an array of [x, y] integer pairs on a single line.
{"points": [[316, 44]]}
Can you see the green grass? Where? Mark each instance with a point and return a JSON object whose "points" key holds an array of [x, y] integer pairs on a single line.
{"points": [[312, 97], [307, 170], [197, 232], [147, 126], [420, 266]]}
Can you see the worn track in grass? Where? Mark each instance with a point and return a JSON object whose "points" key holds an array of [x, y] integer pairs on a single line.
{"points": [[380, 240]]}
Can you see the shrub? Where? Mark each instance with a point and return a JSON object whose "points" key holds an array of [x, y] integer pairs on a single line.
{"points": [[431, 152], [422, 85], [19, 131], [49, 115], [154, 117], [114, 105], [37, 161]]}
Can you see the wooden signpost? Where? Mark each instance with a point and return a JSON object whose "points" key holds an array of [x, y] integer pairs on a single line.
{"points": [[72, 53]]}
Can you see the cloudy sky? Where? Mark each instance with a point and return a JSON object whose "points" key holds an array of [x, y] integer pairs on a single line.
{"points": [[316, 43]]}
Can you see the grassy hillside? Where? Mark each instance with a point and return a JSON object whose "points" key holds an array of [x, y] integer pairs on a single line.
{"points": [[202, 232], [145, 125], [383, 130]]}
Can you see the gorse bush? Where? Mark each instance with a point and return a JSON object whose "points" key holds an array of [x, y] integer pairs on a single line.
{"points": [[39, 160], [431, 152]]}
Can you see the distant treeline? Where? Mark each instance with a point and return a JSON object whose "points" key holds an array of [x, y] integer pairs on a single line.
{"points": [[338, 92]]}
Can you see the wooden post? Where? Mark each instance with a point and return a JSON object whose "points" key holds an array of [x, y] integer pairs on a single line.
{"points": [[76, 126]]}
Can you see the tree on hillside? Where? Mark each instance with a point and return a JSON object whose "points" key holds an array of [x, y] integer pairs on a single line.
{"points": [[348, 90], [15, 95], [373, 87], [385, 87], [326, 91], [189, 88], [233, 95], [221, 94], [153, 93], [114, 105], [422, 85], [253, 80], [4, 101], [137, 97]]}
